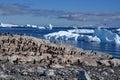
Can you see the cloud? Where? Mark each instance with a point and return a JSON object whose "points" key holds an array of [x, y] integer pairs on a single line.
{"points": [[17, 9], [90, 16], [12, 9]]}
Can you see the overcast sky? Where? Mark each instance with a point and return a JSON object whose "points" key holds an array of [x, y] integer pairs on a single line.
{"points": [[60, 12]]}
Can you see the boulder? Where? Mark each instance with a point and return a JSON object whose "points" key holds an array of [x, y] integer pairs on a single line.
{"points": [[57, 66], [49, 72], [105, 62], [41, 71], [115, 62], [109, 70], [82, 75], [104, 73], [90, 63]]}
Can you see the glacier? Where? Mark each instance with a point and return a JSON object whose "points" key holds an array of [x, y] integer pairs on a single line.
{"points": [[99, 35]]}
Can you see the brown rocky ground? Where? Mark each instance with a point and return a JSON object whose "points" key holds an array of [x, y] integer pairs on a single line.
{"points": [[30, 58]]}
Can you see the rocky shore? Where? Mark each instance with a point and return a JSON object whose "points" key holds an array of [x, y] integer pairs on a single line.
{"points": [[30, 58]]}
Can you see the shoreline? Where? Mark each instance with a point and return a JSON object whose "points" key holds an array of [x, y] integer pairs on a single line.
{"points": [[22, 56]]}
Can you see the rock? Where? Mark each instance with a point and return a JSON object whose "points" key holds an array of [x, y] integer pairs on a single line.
{"points": [[90, 63], [24, 73], [2, 75], [13, 58], [57, 66], [101, 78], [104, 73], [109, 70], [31, 70], [115, 62], [49, 72], [41, 71], [82, 75], [3, 67], [14, 70], [105, 62]]}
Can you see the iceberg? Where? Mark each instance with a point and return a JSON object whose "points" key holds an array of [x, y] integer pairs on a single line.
{"points": [[118, 30], [27, 25], [62, 35], [7, 25], [49, 27], [81, 31], [35, 26], [99, 35], [89, 38], [41, 27], [107, 36], [65, 35]]}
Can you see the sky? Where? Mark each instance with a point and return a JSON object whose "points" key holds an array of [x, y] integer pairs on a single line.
{"points": [[60, 12]]}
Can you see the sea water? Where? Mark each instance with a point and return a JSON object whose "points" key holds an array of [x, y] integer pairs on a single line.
{"points": [[113, 49]]}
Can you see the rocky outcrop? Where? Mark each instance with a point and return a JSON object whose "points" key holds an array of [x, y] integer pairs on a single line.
{"points": [[26, 57]]}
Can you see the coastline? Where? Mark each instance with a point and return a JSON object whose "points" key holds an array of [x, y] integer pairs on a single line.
{"points": [[23, 56]]}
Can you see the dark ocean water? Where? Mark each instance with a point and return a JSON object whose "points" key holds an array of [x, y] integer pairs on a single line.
{"points": [[104, 47]]}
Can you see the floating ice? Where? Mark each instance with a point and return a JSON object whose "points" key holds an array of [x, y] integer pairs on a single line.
{"points": [[50, 26], [65, 35], [39, 27], [107, 36], [7, 25], [118, 30], [62, 35], [81, 31], [89, 38], [99, 35], [33, 26], [27, 25]]}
